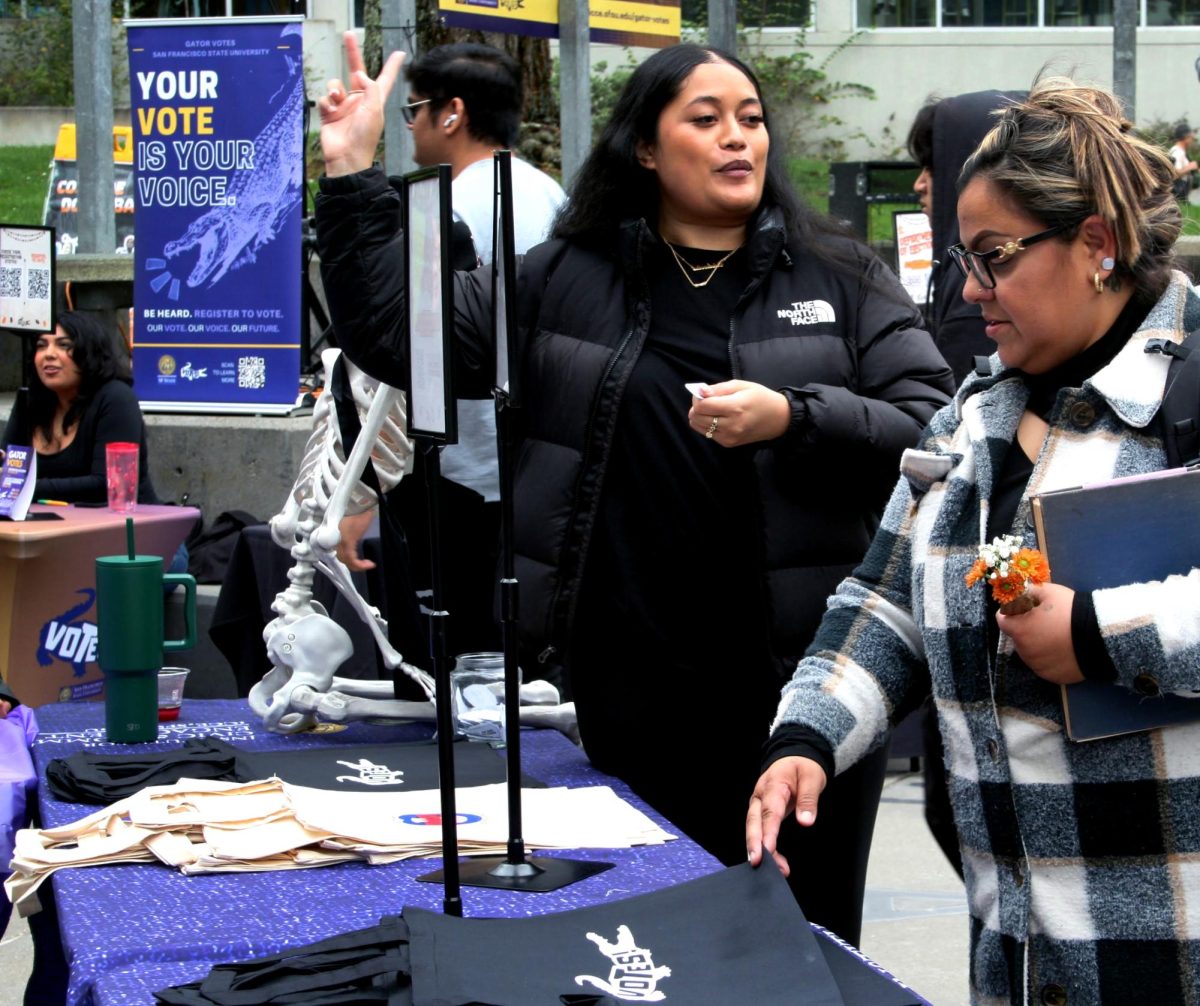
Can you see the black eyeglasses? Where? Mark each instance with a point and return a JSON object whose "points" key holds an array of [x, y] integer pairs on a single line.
{"points": [[409, 111], [979, 264]]}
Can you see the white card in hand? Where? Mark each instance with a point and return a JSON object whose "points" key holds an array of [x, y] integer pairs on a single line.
{"points": [[694, 387]]}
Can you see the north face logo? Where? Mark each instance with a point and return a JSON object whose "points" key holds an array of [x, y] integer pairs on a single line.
{"points": [[808, 312], [633, 975]]}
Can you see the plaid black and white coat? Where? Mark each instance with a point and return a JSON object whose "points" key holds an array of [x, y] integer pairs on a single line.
{"points": [[1082, 859]]}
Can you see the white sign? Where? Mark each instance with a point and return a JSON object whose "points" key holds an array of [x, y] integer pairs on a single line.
{"points": [[26, 278], [914, 253]]}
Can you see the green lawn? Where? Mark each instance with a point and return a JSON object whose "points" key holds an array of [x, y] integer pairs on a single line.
{"points": [[24, 175], [1191, 219]]}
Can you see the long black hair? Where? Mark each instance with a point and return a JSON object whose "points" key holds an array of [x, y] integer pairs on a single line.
{"points": [[612, 185], [94, 351]]}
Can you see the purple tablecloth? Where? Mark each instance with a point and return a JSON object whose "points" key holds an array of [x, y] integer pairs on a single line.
{"points": [[129, 930], [114, 917]]}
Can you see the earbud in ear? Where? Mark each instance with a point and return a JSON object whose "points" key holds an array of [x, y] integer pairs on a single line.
{"points": [[450, 121]]}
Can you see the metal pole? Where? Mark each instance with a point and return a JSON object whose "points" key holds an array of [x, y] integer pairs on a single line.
{"points": [[91, 31], [1125, 21], [722, 24], [575, 86], [399, 35]]}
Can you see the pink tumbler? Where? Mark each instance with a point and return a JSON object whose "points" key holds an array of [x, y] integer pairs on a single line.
{"points": [[122, 469]]}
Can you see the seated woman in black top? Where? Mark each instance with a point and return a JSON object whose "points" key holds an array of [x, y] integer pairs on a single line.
{"points": [[80, 401]]}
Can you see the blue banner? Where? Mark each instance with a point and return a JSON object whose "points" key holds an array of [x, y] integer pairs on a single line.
{"points": [[218, 111]]}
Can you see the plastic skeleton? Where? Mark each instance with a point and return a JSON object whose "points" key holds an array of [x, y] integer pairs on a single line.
{"points": [[305, 645]]}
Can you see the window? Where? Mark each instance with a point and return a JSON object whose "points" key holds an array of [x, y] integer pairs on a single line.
{"points": [[25, 9], [1079, 13], [755, 13], [898, 13], [1016, 13], [208, 8], [1172, 12]]}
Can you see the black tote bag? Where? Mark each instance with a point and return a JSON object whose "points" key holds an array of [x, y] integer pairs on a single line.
{"points": [[736, 936]]}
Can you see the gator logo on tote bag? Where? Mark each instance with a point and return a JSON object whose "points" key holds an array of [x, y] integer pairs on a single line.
{"points": [[633, 975], [371, 774]]}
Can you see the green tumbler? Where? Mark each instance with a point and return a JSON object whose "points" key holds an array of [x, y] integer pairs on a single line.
{"points": [[130, 644]]}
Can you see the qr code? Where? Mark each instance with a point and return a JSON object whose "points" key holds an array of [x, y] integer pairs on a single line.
{"points": [[39, 284], [10, 282], [252, 372]]}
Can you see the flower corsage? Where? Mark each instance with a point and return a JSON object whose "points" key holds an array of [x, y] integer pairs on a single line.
{"points": [[1009, 569]]}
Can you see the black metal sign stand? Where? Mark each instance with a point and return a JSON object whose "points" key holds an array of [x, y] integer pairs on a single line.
{"points": [[515, 871]]}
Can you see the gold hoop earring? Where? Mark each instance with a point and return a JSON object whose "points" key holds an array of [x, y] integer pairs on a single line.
{"points": [[1098, 282]]}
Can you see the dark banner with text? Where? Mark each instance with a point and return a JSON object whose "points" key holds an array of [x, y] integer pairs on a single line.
{"points": [[219, 167]]}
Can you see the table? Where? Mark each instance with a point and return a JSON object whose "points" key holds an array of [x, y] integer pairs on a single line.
{"points": [[48, 592], [127, 930]]}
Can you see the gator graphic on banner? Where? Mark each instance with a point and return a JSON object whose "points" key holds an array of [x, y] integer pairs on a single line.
{"points": [[618, 22], [219, 171]]}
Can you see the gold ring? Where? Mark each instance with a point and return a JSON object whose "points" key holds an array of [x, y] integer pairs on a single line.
{"points": [[712, 428]]}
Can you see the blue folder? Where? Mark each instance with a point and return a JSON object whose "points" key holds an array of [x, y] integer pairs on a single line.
{"points": [[1108, 534]]}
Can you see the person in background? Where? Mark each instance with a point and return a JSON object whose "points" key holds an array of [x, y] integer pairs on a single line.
{"points": [[943, 134], [1077, 856], [464, 104], [717, 387], [1185, 136], [80, 400]]}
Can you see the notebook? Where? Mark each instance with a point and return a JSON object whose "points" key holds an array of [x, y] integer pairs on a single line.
{"points": [[1128, 530]]}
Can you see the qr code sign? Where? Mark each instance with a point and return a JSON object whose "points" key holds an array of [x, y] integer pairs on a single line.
{"points": [[39, 284], [252, 372], [10, 282]]}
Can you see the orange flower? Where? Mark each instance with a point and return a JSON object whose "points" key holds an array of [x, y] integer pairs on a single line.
{"points": [[976, 573], [1031, 565], [1006, 588]]}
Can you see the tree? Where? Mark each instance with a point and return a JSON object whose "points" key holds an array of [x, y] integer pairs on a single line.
{"points": [[531, 54]]}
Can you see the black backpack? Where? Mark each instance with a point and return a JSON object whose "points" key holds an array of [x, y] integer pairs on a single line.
{"points": [[209, 548], [1180, 410]]}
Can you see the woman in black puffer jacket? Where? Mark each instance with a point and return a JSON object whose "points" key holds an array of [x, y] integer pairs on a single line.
{"points": [[675, 547]]}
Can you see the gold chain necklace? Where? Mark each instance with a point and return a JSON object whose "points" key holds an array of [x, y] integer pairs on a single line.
{"points": [[685, 265]]}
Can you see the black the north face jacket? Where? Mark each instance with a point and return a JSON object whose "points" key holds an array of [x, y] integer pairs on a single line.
{"points": [[849, 352]]}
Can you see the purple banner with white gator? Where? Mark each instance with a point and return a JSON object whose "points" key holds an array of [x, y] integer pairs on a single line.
{"points": [[219, 166]]}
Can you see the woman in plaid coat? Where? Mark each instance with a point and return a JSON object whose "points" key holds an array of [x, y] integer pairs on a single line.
{"points": [[1082, 860]]}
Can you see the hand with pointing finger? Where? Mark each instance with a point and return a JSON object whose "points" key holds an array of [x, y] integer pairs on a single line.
{"points": [[352, 118]]}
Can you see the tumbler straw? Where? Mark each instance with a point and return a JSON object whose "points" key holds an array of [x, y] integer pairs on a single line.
{"points": [[129, 537]]}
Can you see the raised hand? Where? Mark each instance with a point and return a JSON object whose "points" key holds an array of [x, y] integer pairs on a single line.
{"points": [[352, 118]]}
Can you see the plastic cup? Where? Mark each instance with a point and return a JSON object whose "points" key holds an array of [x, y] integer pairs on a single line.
{"points": [[477, 697], [170, 692], [122, 470]]}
